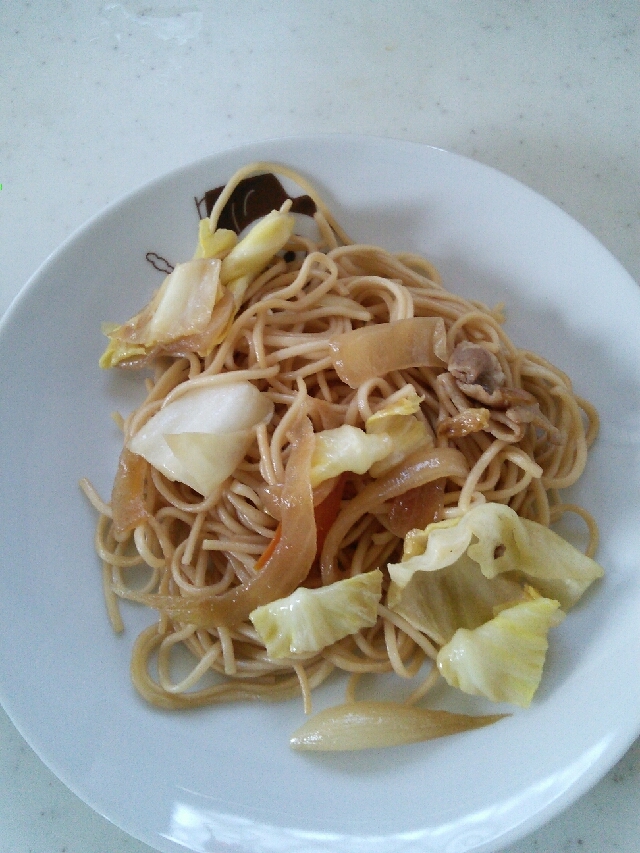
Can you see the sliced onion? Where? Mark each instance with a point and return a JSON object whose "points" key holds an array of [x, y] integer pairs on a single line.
{"points": [[282, 572], [378, 349], [416, 508], [127, 497], [421, 466], [372, 725]]}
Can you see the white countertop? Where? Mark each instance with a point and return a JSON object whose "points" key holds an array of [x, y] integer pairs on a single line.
{"points": [[98, 98]]}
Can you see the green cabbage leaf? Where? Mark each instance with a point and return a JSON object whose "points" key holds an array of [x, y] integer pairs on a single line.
{"points": [[501, 543], [308, 620], [502, 659]]}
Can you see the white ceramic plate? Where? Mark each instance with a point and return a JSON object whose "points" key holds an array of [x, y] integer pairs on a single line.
{"points": [[223, 778]]}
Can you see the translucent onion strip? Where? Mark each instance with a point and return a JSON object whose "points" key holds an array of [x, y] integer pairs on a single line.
{"points": [[373, 725], [422, 466], [287, 567], [373, 351]]}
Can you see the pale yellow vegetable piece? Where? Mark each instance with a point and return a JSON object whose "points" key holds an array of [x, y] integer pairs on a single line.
{"points": [[502, 659], [206, 459], [460, 596], [118, 350], [346, 448], [374, 725], [500, 542], [200, 437], [553, 566], [252, 254], [308, 620], [390, 434], [401, 407], [185, 301], [397, 420], [214, 244], [182, 307]]}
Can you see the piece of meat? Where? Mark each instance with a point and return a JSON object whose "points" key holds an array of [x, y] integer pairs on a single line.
{"points": [[520, 416], [477, 372], [478, 375]]}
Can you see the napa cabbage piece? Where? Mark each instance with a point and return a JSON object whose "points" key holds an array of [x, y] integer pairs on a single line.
{"points": [[182, 308], [200, 437], [397, 420], [504, 658], [254, 252], [408, 404], [204, 460], [346, 448], [501, 543], [390, 435], [196, 303], [214, 244], [308, 620]]}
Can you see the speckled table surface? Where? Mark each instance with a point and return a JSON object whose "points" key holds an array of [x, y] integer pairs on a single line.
{"points": [[97, 98]]}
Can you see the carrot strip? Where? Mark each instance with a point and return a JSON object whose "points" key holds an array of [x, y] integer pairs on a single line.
{"points": [[327, 511], [271, 547]]}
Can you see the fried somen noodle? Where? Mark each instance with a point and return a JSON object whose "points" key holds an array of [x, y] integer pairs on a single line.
{"points": [[507, 429]]}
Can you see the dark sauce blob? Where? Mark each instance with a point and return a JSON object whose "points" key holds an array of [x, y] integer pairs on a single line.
{"points": [[251, 199]]}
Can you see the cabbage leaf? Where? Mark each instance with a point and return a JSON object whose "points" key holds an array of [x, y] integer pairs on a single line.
{"points": [[390, 434], [214, 244], [181, 308], [200, 437], [346, 448], [407, 432], [500, 543], [308, 620], [189, 307], [502, 659], [460, 596], [254, 252]]}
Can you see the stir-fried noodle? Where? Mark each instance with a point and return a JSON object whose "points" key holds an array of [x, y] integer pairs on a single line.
{"points": [[508, 429]]}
